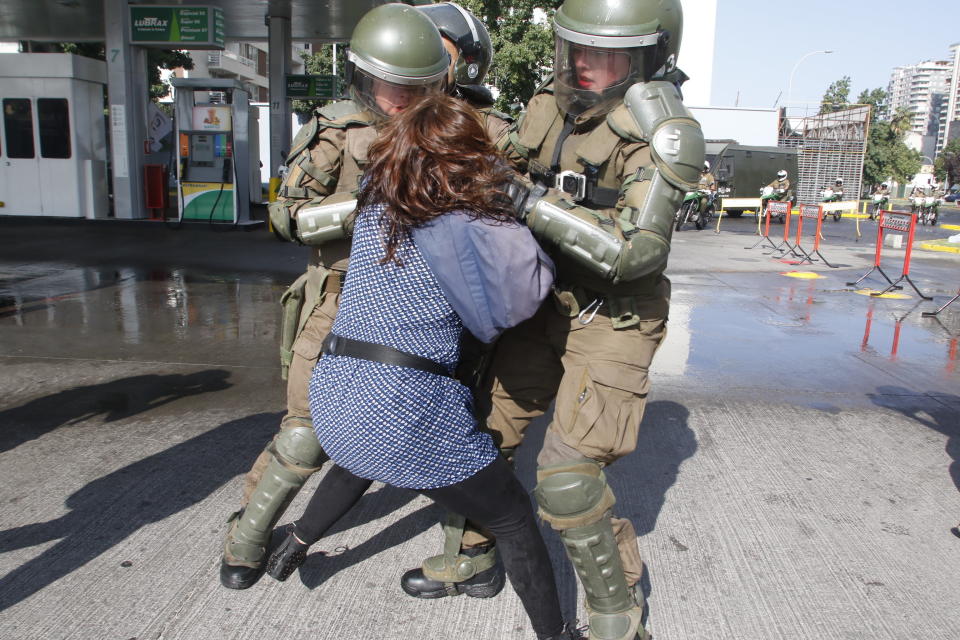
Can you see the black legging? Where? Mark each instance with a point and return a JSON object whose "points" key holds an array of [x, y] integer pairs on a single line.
{"points": [[493, 498]]}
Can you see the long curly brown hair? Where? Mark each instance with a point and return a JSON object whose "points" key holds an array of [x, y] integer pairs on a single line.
{"points": [[430, 159]]}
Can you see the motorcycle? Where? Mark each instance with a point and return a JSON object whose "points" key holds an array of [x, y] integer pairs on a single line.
{"points": [[767, 194], [689, 210], [930, 212], [917, 205], [880, 202], [829, 195]]}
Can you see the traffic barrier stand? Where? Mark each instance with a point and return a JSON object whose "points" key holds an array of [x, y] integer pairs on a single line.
{"points": [[931, 314], [811, 212], [765, 236], [893, 221]]}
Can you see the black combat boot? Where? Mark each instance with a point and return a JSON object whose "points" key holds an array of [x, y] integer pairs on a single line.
{"points": [[485, 584], [289, 555]]}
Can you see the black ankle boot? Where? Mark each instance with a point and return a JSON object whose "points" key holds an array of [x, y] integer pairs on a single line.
{"points": [[289, 555], [485, 584]]}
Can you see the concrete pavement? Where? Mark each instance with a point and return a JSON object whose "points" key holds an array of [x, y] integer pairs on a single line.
{"points": [[797, 473]]}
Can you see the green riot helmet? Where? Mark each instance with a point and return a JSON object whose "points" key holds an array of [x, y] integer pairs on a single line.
{"points": [[470, 38], [606, 46], [396, 56]]}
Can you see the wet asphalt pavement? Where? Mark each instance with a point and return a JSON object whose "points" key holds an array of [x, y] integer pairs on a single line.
{"points": [[797, 473]]}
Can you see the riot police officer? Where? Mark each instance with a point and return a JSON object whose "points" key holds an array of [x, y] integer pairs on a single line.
{"points": [[612, 151], [396, 54], [471, 53]]}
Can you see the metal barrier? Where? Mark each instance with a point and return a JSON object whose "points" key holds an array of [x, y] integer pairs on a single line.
{"points": [[931, 314], [775, 207], [811, 212], [890, 220]]}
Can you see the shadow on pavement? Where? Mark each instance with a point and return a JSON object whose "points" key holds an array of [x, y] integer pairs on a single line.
{"points": [[114, 400], [940, 412], [113, 507]]}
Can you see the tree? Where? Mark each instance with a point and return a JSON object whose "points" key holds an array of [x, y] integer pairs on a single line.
{"points": [[837, 96], [319, 62], [878, 99], [947, 164], [523, 48], [887, 156]]}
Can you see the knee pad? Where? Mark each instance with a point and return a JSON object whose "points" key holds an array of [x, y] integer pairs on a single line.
{"points": [[573, 494], [298, 447]]}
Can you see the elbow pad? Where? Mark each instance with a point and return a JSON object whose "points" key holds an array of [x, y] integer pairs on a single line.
{"points": [[322, 223], [643, 254], [574, 232]]}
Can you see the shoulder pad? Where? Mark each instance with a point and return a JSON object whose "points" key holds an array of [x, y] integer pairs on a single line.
{"points": [[343, 113], [304, 137], [675, 137]]}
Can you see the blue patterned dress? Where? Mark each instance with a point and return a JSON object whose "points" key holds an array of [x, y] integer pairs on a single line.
{"points": [[398, 425]]}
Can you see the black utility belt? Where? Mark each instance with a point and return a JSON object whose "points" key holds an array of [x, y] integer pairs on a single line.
{"points": [[339, 346]]}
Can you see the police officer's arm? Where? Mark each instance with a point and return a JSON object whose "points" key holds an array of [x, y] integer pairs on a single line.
{"points": [[307, 210]]}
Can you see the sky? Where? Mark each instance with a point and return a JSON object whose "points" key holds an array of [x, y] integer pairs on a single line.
{"points": [[758, 43]]}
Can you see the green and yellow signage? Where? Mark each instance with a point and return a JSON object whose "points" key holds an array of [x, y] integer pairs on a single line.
{"points": [[180, 26], [316, 87]]}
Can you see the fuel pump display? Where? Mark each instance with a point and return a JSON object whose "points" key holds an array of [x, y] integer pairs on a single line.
{"points": [[212, 170]]}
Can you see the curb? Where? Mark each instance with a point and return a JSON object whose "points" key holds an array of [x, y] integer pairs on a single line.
{"points": [[929, 246]]}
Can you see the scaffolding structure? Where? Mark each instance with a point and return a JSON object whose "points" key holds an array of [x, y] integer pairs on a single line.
{"points": [[829, 146]]}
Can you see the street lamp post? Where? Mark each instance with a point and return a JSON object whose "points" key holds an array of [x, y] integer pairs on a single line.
{"points": [[804, 57]]}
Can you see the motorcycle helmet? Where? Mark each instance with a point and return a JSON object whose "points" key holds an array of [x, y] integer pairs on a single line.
{"points": [[470, 37], [603, 47], [396, 55], [885, 185], [706, 167], [839, 181], [781, 175]]}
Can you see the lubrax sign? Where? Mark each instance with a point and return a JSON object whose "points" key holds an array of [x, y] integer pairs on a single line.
{"points": [[180, 26]]}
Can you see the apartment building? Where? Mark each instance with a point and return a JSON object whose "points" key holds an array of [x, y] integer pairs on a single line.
{"points": [[923, 89], [245, 61], [950, 111]]}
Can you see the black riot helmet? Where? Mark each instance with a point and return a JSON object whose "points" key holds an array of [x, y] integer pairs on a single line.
{"points": [[469, 35]]}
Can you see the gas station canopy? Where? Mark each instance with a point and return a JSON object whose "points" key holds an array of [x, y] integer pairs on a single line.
{"points": [[83, 20]]}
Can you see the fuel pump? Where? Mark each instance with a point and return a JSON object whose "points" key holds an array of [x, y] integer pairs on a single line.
{"points": [[213, 160]]}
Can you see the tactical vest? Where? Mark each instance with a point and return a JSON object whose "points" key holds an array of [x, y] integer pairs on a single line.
{"points": [[593, 147]]}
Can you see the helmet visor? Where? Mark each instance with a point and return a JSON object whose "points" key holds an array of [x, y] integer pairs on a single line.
{"points": [[595, 78], [385, 98]]}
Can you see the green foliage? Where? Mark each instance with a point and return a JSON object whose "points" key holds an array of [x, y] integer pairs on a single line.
{"points": [[319, 62], [947, 164], [878, 99], [837, 96], [523, 51], [158, 59], [887, 156]]}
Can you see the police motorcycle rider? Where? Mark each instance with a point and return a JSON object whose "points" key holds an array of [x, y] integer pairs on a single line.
{"points": [[881, 198], [395, 56], [611, 151], [778, 190], [833, 193], [707, 186]]}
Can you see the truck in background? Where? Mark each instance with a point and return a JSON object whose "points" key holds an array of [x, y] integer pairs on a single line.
{"points": [[742, 171]]}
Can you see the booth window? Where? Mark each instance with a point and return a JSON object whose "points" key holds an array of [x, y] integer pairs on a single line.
{"points": [[53, 116], [18, 127]]}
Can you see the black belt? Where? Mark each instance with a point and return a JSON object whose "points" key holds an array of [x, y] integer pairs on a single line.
{"points": [[340, 346]]}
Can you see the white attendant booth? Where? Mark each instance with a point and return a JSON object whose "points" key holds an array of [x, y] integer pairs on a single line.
{"points": [[53, 148]]}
